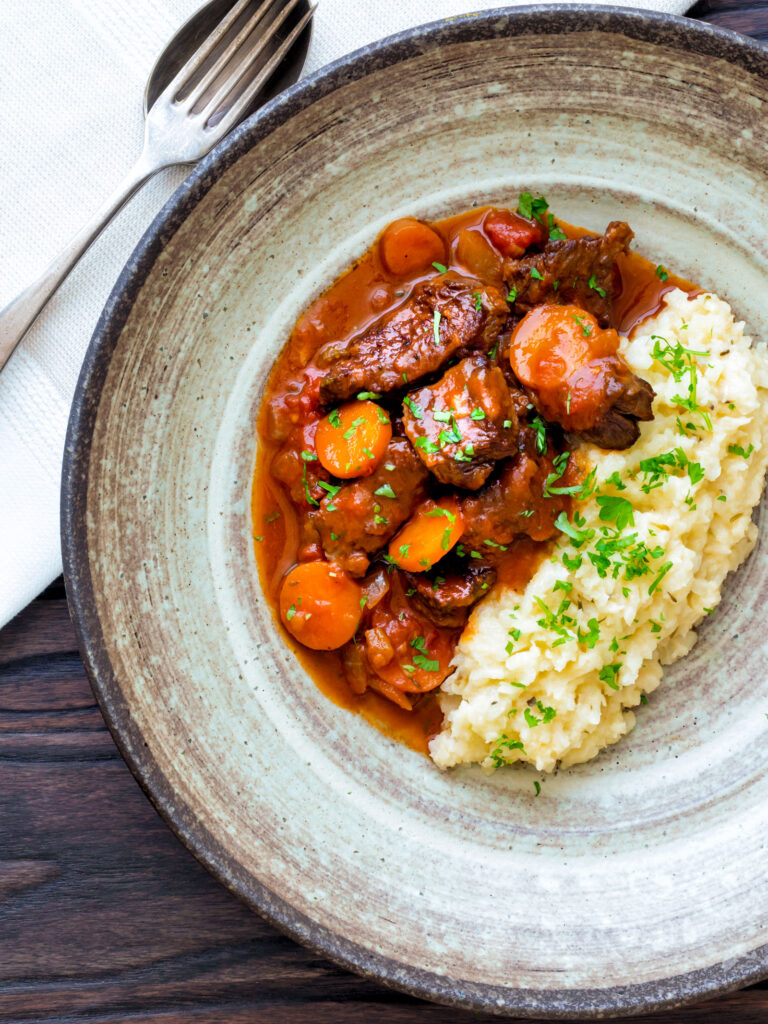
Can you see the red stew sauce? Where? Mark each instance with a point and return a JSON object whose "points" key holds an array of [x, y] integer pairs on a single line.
{"points": [[419, 439]]}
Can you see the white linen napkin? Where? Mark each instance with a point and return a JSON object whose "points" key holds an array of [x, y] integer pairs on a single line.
{"points": [[72, 76]]}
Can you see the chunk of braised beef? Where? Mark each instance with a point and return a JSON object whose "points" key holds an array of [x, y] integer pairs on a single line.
{"points": [[513, 503], [447, 315], [581, 271], [631, 399], [359, 518], [446, 600], [463, 423]]}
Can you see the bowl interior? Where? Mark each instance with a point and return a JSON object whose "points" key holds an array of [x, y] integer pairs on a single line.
{"points": [[615, 889]]}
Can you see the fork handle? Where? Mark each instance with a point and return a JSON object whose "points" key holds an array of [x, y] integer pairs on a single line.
{"points": [[19, 315]]}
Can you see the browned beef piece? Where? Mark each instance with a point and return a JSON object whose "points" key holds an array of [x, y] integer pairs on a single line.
{"points": [[447, 600], [512, 504], [461, 424], [401, 348], [355, 521], [630, 399], [563, 270]]}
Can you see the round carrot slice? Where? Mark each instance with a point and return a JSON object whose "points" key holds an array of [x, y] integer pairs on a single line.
{"points": [[550, 352], [429, 534], [351, 440], [320, 605], [409, 246]]}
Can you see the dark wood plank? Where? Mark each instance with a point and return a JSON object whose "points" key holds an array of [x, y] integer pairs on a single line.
{"points": [[105, 917]]}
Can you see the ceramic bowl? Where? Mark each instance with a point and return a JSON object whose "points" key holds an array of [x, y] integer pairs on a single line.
{"points": [[634, 882]]}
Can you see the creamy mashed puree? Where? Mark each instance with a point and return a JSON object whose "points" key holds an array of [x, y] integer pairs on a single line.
{"points": [[548, 675]]}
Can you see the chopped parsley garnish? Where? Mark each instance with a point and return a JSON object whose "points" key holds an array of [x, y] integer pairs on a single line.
{"points": [[592, 283], [307, 457], [291, 612], [659, 576], [512, 295], [662, 273], [440, 268], [331, 489], [656, 470], [477, 414], [415, 409], [426, 445], [554, 231], [541, 434], [736, 449], [504, 744], [440, 511], [385, 491], [334, 419], [559, 466], [586, 330], [590, 638], [614, 509], [572, 564], [421, 660], [558, 621], [270, 517], [578, 536], [608, 675], [478, 297], [442, 416], [536, 275], [614, 480], [680, 361], [537, 786], [532, 209], [352, 429], [368, 395], [450, 436]]}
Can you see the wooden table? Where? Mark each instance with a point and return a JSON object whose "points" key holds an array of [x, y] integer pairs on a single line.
{"points": [[104, 916]]}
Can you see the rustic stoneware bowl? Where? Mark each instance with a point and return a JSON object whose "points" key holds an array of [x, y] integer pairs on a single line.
{"points": [[634, 882]]}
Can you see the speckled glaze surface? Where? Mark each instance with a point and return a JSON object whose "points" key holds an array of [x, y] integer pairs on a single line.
{"points": [[634, 882]]}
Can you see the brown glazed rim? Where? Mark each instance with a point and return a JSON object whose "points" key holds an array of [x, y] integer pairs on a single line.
{"points": [[662, 29]]}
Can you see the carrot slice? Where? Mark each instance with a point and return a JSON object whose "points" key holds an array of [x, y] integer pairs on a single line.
{"points": [[320, 605], [408, 246], [351, 440], [554, 351], [429, 534]]}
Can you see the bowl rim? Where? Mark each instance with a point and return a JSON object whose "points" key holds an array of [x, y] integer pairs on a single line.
{"points": [[625, 1000]]}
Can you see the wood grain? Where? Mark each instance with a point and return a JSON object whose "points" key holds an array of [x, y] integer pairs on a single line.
{"points": [[105, 917]]}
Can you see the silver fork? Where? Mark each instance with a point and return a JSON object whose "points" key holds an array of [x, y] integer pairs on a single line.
{"points": [[192, 114]]}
